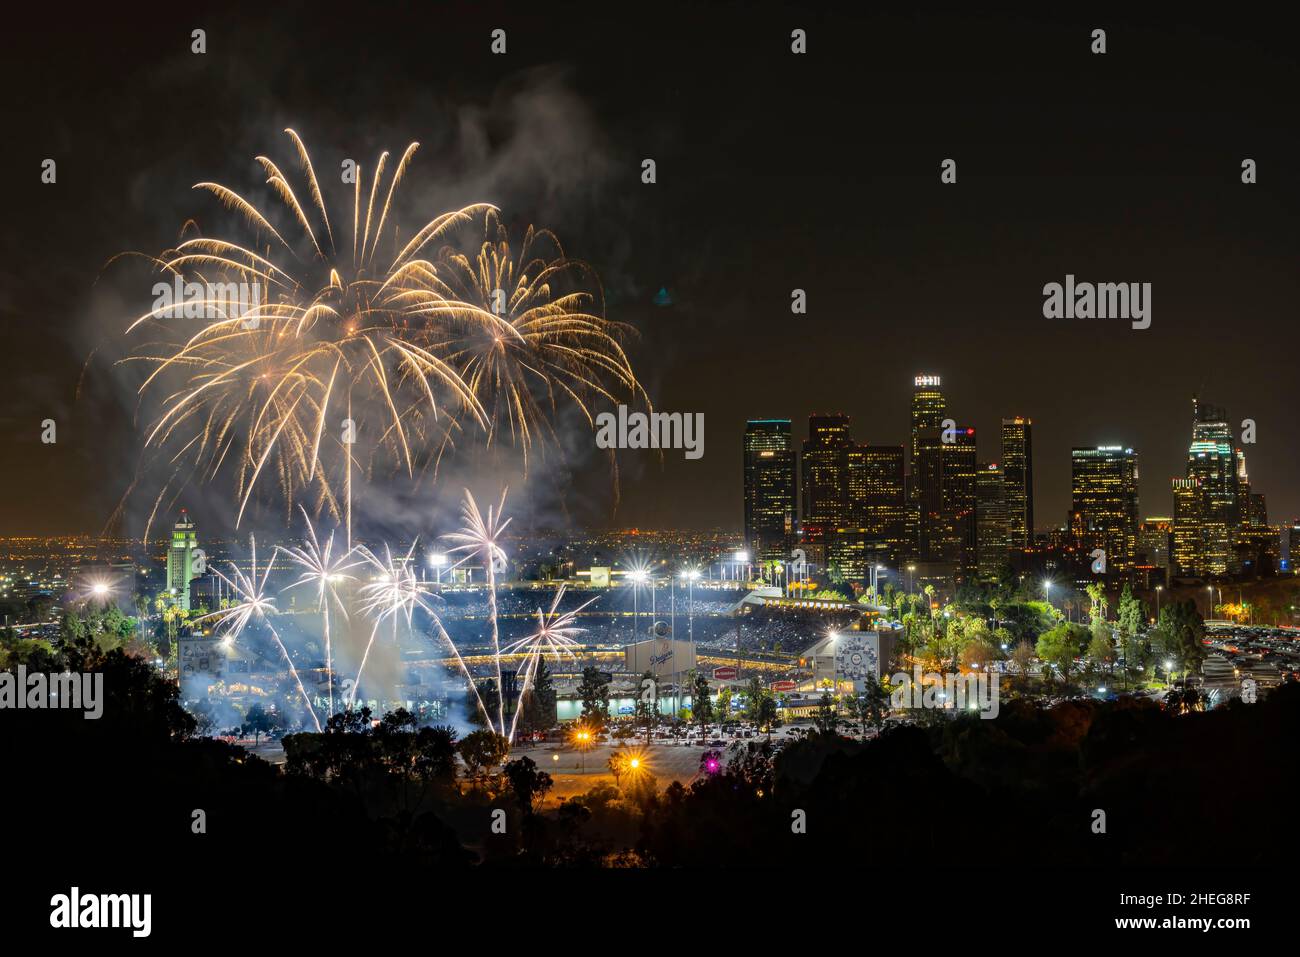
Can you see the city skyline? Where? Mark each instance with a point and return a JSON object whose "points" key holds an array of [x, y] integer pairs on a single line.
{"points": [[900, 270], [450, 443]]}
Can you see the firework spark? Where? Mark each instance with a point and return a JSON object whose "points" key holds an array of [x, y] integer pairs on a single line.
{"points": [[526, 331], [394, 593], [324, 570], [553, 637], [369, 355], [252, 604], [266, 379], [481, 537]]}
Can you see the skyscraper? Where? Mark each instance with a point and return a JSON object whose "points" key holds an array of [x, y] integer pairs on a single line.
{"points": [[823, 476], [877, 499], [955, 532], [991, 524], [180, 560], [1215, 464], [929, 409], [1186, 550], [1018, 476], [1213, 530], [1155, 542], [1104, 512], [770, 491]]}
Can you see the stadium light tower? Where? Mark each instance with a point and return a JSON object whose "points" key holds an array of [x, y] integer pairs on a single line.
{"points": [[438, 560], [639, 574]]}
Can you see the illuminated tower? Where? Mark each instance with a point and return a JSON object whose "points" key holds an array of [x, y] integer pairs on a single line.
{"points": [[991, 521], [770, 501], [954, 534], [929, 408], [1186, 551], [877, 497], [180, 560], [1214, 463], [1018, 477], [823, 480], [1105, 503]]}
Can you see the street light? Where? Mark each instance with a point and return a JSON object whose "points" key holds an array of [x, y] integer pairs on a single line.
{"points": [[583, 736]]}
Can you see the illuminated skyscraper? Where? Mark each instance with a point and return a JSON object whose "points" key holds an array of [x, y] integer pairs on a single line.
{"points": [[954, 534], [770, 499], [823, 468], [1216, 465], [180, 560], [1187, 550], [929, 409], [1104, 513], [1155, 542], [1018, 476], [877, 499], [991, 525]]}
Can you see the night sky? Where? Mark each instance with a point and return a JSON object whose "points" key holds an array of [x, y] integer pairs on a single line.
{"points": [[775, 172]]}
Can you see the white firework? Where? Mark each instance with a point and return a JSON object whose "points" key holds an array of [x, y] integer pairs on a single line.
{"points": [[254, 605], [481, 537], [324, 571], [554, 637]]}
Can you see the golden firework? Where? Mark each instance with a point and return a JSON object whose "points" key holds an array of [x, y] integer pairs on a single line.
{"points": [[329, 355], [526, 332]]}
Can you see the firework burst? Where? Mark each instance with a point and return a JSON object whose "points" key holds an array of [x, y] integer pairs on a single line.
{"points": [[324, 570], [481, 537], [554, 637], [253, 604], [359, 350], [394, 593], [526, 332], [332, 363]]}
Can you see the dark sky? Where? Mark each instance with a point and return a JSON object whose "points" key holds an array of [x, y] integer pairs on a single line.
{"points": [[775, 171]]}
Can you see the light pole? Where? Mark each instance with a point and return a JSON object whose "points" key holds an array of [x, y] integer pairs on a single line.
{"points": [[1159, 589], [638, 576], [742, 558], [910, 570], [583, 737], [438, 560]]}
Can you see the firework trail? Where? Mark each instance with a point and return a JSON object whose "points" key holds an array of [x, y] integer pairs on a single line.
{"points": [[324, 571], [256, 383], [425, 346], [526, 330], [553, 637], [394, 593], [481, 537], [253, 604]]}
